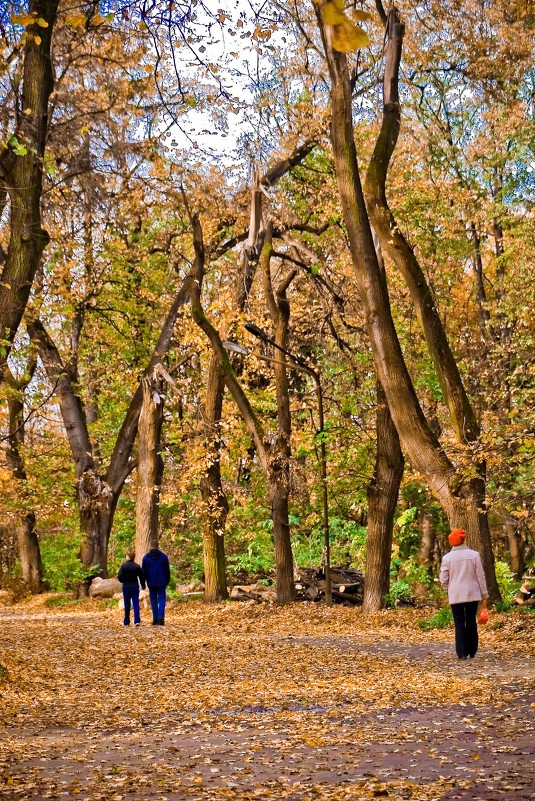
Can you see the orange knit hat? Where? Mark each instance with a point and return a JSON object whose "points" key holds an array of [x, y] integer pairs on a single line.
{"points": [[457, 536]]}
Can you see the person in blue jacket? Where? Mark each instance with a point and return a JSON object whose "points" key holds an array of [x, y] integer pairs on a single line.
{"points": [[155, 566], [131, 576]]}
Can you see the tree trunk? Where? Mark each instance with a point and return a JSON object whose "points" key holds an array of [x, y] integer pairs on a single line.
{"points": [[456, 493], [278, 497], [150, 464], [427, 544], [96, 504], [268, 459], [213, 495], [382, 493], [516, 549], [30, 554], [279, 473], [21, 171], [98, 495], [27, 540]]}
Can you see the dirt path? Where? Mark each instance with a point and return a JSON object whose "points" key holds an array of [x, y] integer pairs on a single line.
{"points": [[248, 702]]}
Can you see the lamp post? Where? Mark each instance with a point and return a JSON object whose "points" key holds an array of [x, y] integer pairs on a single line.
{"points": [[300, 363]]}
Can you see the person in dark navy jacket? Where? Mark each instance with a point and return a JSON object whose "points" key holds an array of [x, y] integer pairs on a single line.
{"points": [[155, 566], [131, 576]]}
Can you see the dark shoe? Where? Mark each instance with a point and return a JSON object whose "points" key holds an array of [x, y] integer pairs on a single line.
{"points": [[154, 623], [137, 625], [161, 621], [126, 624]]}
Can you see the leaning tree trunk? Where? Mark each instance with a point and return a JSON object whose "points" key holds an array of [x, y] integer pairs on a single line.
{"points": [[459, 496], [150, 464], [21, 173], [382, 493], [463, 418], [98, 494]]}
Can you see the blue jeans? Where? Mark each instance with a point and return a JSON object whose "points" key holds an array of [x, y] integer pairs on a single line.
{"points": [[131, 595], [157, 601], [466, 638]]}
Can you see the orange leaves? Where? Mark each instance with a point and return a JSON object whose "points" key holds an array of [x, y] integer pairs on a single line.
{"points": [[346, 36], [247, 702]]}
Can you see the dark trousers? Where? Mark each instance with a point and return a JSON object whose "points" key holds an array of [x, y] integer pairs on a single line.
{"points": [[157, 602], [131, 595], [466, 639]]}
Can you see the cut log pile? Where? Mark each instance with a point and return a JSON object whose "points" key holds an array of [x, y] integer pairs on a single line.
{"points": [[526, 594], [347, 587], [346, 582]]}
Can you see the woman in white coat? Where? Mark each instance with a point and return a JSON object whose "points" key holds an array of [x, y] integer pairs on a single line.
{"points": [[462, 576]]}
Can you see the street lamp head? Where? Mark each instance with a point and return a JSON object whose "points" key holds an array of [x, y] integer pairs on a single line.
{"points": [[256, 331], [229, 345]]}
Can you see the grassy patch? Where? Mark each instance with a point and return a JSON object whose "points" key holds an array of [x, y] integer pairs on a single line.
{"points": [[58, 601], [440, 620], [109, 603]]}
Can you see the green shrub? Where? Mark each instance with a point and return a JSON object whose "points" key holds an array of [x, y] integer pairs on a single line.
{"points": [[62, 600], [508, 586], [62, 570], [347, 544], [400, 592], [440, 620], [257, 559]]}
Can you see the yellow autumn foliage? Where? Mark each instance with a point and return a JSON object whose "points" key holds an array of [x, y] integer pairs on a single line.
{"points": [[346, 36]]}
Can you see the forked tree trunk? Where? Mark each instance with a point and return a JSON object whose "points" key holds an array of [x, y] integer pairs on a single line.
{"points": [[268, 458], [98, 494], [382, 493], [213, 494], [150, 464], [461, 498]]}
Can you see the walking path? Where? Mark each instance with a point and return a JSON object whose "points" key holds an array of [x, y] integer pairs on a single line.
{"points": [[253, 702]]}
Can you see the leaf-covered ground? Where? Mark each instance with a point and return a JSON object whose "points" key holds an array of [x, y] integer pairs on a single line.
{"points": [[254, 702]]}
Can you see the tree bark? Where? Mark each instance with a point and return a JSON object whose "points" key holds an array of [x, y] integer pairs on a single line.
{"points": [[22, 175], [382, 493], [427, 544], [213, 494], [279, 473], [97, 493], [268, 460], [215, 501], [150, 464], [516, 549], [457, 494], [27, 541]]}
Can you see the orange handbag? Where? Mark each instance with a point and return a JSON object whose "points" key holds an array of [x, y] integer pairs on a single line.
{"points": [[483, 616]]}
